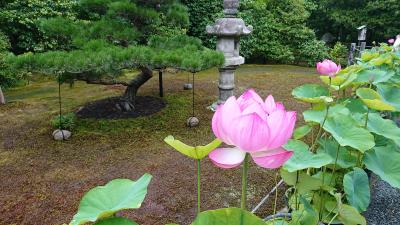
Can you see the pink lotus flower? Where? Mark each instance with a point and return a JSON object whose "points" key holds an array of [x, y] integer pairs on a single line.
{"points": [[391, 41], [328, 68], [253, 126]]}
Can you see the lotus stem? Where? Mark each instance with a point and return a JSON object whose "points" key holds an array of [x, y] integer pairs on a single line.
{"points": [[276, 194], [320, 129], [296, 191], [333, 218], [334, 166], [366, 119], [198, 187], [244, 181], [323, 170], [365, 126]]}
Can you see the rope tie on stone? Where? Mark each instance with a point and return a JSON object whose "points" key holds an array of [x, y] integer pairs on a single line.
{"points": [[60, 107]]}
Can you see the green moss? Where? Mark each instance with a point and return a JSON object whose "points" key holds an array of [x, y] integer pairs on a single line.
{"points": [[101, 150]]}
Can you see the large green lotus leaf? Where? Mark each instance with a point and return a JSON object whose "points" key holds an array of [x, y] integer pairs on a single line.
{"points": [[116, 221], [278, 221], [227, 216], [198, 152], [374, 76], [346, 132], [305, 216], [343, 76], [355, 105], [329, 181], [356, 187], [330, 147], [335, 81], [318, 116], [330, 211], [373, 100], [367, 56], [382, 59], [342, 127], [305, 183], [104, 201], [383, 127], [342, 80], [302, 158], [348, 215], [311, 93], [302, 131], [385, 162], [390, 94]]}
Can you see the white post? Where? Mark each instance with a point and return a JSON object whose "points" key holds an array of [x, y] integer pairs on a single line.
{"points": [[2, 99]]}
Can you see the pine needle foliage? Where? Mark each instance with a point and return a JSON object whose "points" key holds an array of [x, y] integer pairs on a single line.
{"points": [[111, 35]]}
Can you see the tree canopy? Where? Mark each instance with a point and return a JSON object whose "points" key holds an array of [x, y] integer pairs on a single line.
{"points": [[280, 31], [107, 36], [18, 20], [342, 17]]}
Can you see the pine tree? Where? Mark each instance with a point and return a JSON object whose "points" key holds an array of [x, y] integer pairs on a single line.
{"points": [[5, 79], [109, 36]]}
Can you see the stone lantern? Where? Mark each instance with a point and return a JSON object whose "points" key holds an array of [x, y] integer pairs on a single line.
{"points": [[228, 31]]}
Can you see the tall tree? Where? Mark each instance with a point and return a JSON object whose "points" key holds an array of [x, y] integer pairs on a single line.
{"points": [[109, 36], [280, 35], [342, 17], [18, 20], [203, 13], [5, 79]]}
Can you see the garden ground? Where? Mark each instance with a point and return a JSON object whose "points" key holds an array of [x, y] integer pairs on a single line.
{"points": [[42, 180]]}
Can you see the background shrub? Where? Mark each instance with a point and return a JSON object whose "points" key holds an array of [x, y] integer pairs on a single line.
{"points": [[339, 54], [8, 77], [341, 18], [280, 27], [19, 21], [312, 52], [67, 121], [203, 13]]}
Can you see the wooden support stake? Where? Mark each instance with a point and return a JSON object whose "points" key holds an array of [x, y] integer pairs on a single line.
{"points": [[160, 82], [353, 47], [362, 47]]}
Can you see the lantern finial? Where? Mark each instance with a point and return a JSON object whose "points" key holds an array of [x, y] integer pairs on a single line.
{"points": [[231, 8]]}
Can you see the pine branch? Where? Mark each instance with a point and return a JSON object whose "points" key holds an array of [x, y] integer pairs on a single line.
{"points": [[105, 82]]}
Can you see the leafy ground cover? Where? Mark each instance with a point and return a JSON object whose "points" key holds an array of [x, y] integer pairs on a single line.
{"points": [[43, 180]]}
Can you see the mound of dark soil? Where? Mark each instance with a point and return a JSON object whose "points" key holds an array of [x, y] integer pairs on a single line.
{"points": [[106, 108]]}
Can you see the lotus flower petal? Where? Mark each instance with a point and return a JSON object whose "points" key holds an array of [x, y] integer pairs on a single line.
{"points": [[255, 109], [250, 133], [227, 158], [249, 97], [270, 104], [328, 68], [223, 119], [272, 159], [280, 106], [252, 126], [281, 125]]}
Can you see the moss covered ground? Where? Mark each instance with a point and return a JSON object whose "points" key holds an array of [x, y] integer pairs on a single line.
{"points": [[43, 180]]}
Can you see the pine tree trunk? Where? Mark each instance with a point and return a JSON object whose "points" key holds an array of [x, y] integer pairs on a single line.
{"points": [[2, 99], [128, 99]]}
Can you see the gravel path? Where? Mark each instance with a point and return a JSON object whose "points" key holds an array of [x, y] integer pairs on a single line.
{"points": [[385, 204]]}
